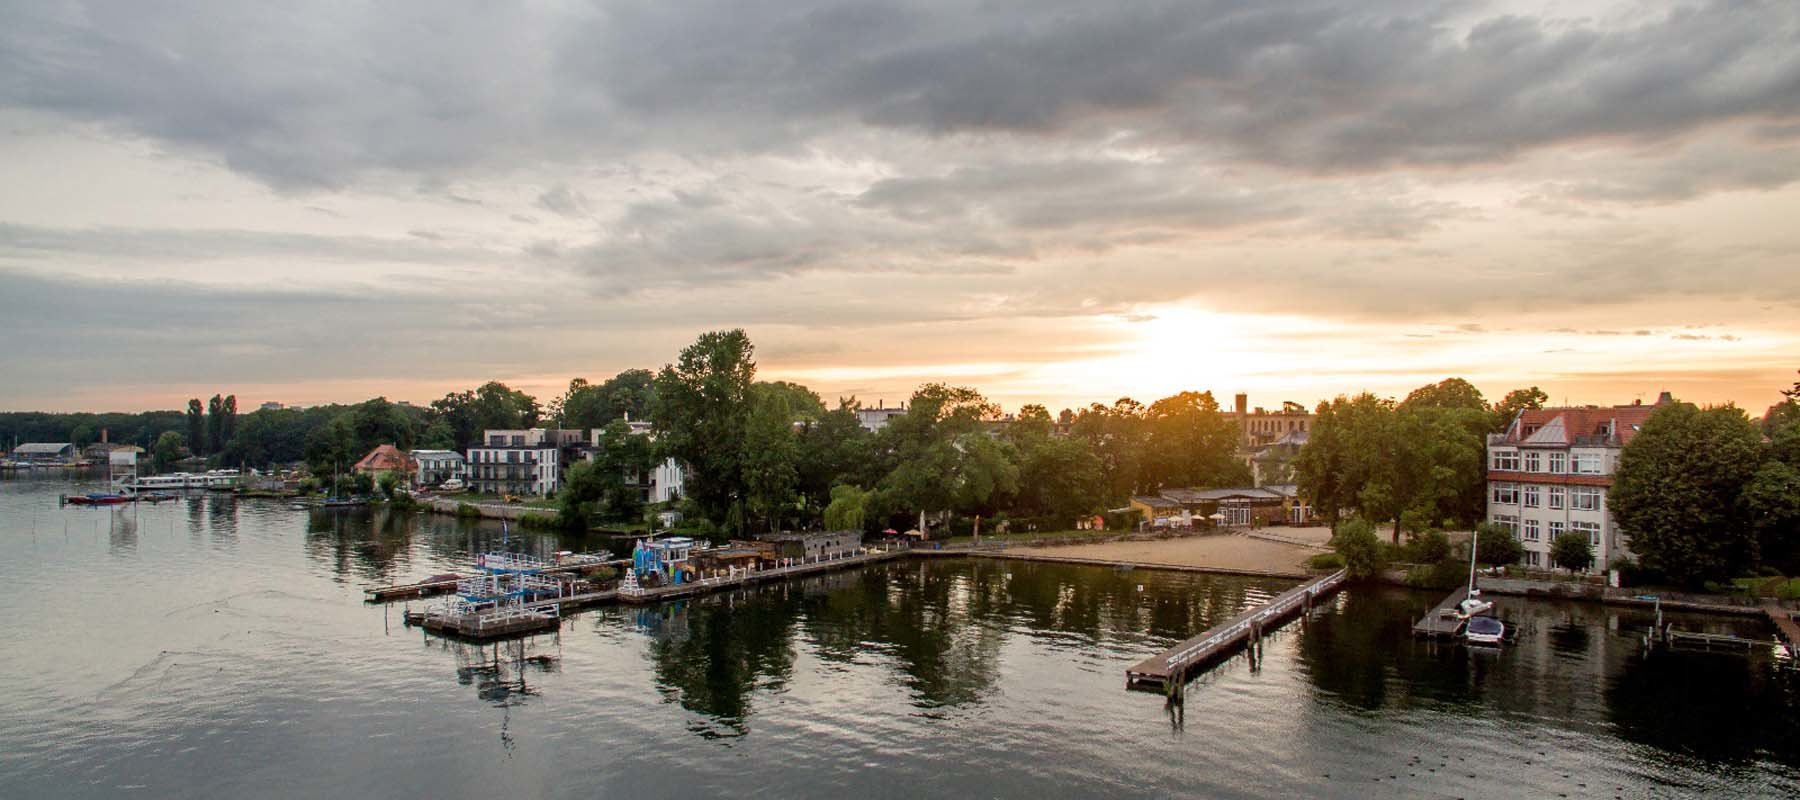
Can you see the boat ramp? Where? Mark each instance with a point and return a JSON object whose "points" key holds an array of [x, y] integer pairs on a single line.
{"points": [[1167, 671]]}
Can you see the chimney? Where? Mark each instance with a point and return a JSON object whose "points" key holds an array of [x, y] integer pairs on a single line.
{"points": [[1243, 404], [103, 436]]}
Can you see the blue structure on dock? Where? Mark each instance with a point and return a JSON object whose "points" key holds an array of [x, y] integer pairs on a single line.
{"points": [[666, 558]]}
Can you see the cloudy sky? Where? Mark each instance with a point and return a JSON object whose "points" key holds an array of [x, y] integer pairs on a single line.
{"points": [[1055, 201]]}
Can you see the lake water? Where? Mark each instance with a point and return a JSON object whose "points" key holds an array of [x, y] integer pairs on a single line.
{"points": [[220, 648]]}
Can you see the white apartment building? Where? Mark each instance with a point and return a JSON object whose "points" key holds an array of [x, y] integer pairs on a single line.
{"points": [[1549, 474], [437, 466], [520, 462], [874, 419]]}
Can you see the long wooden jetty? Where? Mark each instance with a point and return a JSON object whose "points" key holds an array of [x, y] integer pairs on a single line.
{"points": [[1444, 620], [1168, 670]]}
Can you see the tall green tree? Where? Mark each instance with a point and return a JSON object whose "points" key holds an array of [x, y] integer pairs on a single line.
{"points": [[835, 449], [771, 452], [1516, 401], [215, 424], [702, 411], [1676, 494], [1572, 552], [196, 426], [584, 405], [1447, 393], [1120, 438], [229, 424], [491, 406], [944, 458], [1193, 444]]}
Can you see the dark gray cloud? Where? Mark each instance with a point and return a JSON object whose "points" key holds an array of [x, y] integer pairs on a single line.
{"points": [[177, 244], [317, 95]]}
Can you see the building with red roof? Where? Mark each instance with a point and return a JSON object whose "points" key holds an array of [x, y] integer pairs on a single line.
{"points": [[387, 459], [1550, 471]]}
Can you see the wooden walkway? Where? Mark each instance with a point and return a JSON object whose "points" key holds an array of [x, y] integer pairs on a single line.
{"points": [[1443, 620], [660, 593], [1785, 626], [1167, 671]]}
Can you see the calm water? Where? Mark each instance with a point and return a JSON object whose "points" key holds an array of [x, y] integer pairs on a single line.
{"points": [[215, 648]]}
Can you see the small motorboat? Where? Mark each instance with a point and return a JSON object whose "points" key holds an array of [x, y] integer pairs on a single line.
{"points": [[1484, 630], [97, 499], [158, 497]]}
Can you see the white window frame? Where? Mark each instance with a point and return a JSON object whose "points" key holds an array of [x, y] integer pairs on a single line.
{"points": [[1532, 495], [1584, 498], [1505, 494], [1556, 529], [1587, 463], [1592, 529], [1505, 461], [1558, 498], [1559, 463], [1531, 530], [1534, 461]]}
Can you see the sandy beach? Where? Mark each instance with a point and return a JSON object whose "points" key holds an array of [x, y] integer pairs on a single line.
{"points": [[1230, 551]]}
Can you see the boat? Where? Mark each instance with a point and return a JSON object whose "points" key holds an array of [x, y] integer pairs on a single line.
{"points": [[98, 499], [1472, 604], [1484, 630]]}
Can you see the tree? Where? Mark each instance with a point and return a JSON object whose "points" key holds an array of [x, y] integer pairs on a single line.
{"points": [[1058, 477], [166, 452], [1572, 552], [377, 422], [944, 458], [627, 394], [1516, 401], [229, 424], [1118, 436], [1772, 507], [848, 509], [1356, 543], [1448, 393], [1676, 492], [771, 452], [196, 426], [702, 410], [835, 449], [215, 424], [1496, 546], [1193, 444], [491, 406]]}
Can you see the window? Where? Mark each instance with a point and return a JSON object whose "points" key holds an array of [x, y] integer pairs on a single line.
{"points": [[1556, 497], [1506, 460], [1506, 494], [1559, 463], [1534, 461], [1584, 498], [1556, 529], [1509, 522], [1587, 463], [1532, 495], [1533, 558], [1591, 529], [1531, 530]]}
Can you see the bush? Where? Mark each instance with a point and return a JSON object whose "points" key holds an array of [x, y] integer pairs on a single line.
{"points": [[1571, 552], [1330, 562], [1498, 547], [1356, 543], [1427, 547], [1445, 574], [540, 521], [466, 510]]}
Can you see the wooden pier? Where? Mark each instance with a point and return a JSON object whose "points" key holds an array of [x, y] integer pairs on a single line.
{"points": [[409, 591], [1167, 671], [546, 614], [1710, 641], [1444, 620]]}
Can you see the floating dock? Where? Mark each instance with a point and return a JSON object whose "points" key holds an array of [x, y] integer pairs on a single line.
{"points": [[533, 616], [409, 591], [1444, 620], [1167, 671]]}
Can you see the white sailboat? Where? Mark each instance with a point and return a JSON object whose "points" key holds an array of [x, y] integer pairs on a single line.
{"points": [[1472, 603], [1479, 629]]}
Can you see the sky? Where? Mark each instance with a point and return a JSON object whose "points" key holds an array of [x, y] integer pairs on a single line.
{"points": [[1054, 201]]}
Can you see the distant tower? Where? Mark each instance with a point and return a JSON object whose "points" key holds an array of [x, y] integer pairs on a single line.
{"points": [[1243, 404]]}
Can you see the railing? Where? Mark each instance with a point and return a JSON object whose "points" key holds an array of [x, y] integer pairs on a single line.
{"points": [[1279, 607]]}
